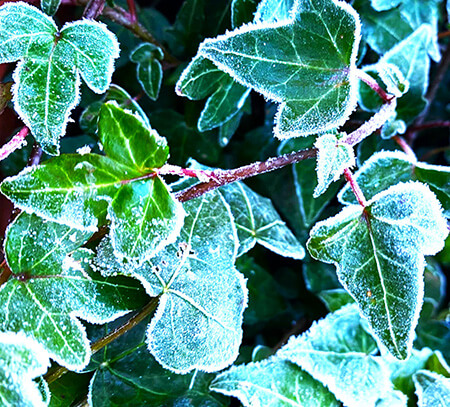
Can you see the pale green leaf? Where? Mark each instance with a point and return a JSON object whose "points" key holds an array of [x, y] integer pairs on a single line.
{"points": [[50, 7], [317, 47], [382, 5], [337, 352], [21, 361], [273, 383], [258, 222], [272, 11], [50, 288], [197, 324], [149, 69], [386, 168], [379, 254], [332, 159], [432, 389], [335, 299]]}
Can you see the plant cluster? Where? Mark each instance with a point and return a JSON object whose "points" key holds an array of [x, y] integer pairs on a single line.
{"points": [[140, 269]]}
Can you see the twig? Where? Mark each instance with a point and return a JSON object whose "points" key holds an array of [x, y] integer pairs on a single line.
{"points": [[36, 155], [355, 188], [93, 9], [15, 143], [6, 272], [132, 11], [444, 34], [373, 84], [406, 148], [430, 153], [430, 125]]}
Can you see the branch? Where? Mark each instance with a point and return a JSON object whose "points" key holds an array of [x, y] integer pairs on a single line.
{"points": [[373, 84], [93, 9], [15, 143], [355, 188], [406, 148]]}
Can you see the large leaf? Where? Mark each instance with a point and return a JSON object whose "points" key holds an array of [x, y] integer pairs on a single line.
{"points": [[202, 297], [273, 383], [379, 254], [21, 361], [47, 76], [50, 288], [308, 67], [432, 389], [337, 352], [385, 169]]}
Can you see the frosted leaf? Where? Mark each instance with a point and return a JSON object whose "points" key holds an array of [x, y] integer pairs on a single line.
{"points": [[242, 12], [383, 5], [273, 11], [332, 159], [197, 324], [273, 383], [337, 352], [432, 389], [393, 78], [149, 70], [258, 222], [307, 64], [21, 361], [387, 168], [47, 76], [50, 7], [50, 288], [379, 255]]}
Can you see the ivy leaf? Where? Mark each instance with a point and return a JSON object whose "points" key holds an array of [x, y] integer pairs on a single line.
{"points": [[258, 222], [50, 7], [50, 289], [273, 382], [47, 76], [385, 169], [147, 383], [21, 361], [149, 69], [337, 352], [316, 47], [432, 389], [273, 11], [242, 12], [332, 159], [201, 295], [379, 255]]}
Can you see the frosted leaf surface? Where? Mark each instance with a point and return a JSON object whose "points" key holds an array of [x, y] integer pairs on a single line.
{"points": [[51, 286], [332, 159], [21, 361], [197, 324], [149, 70], [432, 389], [273, 383], [307, 64], [50, 7], [257, 221], [47, 76], [273, 11], [379, 256], [386, 168], [337, 351]]}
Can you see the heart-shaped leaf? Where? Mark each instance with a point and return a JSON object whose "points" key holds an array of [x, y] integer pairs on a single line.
{"points": [[432, 389]]}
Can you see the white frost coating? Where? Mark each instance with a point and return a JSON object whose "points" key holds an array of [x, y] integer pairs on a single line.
{"points": [[275, 10], [20, 374], [393, 78], [432, 389]]}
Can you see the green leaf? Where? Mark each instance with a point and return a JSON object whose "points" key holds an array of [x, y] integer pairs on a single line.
{"points": [[318, 46], [50, 288], [258, 222], [332, 159], [379, 255], [432, 389], [273, 11], [337, 352], [335, 299], [149, 69], [202, 297], [273, 383], [242, 12], [50, 7], [47, 76], [5, 95], [21, 361], [147, 383], [68, 389], [385, 169]]}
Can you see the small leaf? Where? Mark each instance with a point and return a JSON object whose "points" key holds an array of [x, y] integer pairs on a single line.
{"points": [[149, 70], [322, 31], [197, 324], [335, 299], [50, 7], [432, 389], [332, 159], [378, 252], [21, 361], [273, 11], [337, 352], [258, 222], [273, 383], [50, 288], [242, 12]]}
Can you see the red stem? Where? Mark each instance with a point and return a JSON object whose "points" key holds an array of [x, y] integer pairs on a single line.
{"points": [[132, 10], [406, 148], [15, 143], [355, 188], [430, 125], [373, 84]]}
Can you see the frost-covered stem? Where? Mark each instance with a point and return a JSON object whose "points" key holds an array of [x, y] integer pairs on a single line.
{"points": [[405, 147], [132, 11], [93, 9], [36, 155], [355, 188], [373, 84], [224, 177], [16, 142], [202, 175], [372, 125]]}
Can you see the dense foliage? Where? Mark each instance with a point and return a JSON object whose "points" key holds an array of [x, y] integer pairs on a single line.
{"points": [[224, 202]]}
